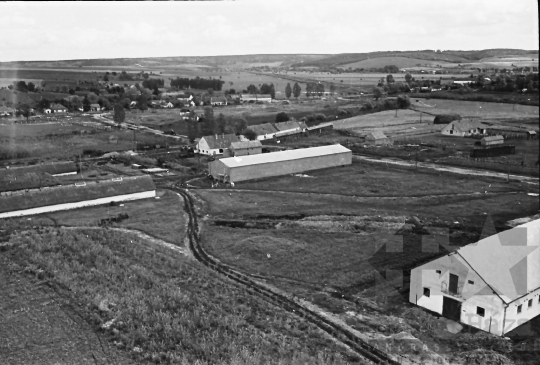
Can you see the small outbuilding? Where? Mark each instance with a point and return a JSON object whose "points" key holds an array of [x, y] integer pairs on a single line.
{"points": [[377, 138], [245, 148], [234, 169], [492, 140], [532, 135]]}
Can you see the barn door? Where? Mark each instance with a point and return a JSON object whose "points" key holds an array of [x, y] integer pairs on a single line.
{"points": [[453, 287], [451, 309]]}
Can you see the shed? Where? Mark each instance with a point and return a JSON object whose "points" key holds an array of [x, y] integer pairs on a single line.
{"points": [[532, 134], [493, 284], [245, 148], [377, 138], [234, 169], [492, 140]]}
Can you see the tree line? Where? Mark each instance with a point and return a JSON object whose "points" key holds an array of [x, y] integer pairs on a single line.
{"points": [[197, 83]]}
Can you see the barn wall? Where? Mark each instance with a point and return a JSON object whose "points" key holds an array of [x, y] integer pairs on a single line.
{"points": [[215, 168], [514, 319], [86, 203], [257, 171]]}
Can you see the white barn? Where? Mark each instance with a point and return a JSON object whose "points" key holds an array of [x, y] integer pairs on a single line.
{"points": [[256, 97], [493, 285], [217, 144], [463, 128]]}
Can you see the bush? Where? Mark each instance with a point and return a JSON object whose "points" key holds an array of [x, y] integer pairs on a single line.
{"points": [[282, 117], [391, 104], [320, 117], [446, 118]]}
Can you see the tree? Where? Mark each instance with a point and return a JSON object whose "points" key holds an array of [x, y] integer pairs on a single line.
{"points": [[208, 125], [240, 125], [119, 113], [21, 86], [25, 111], [282, 117], [86, 104], [272, 91], [142, 102], [93, 98], [31, 87], [76, 102], [249, 134], [252, 89], [105, 78], [377, 93], [297, 90], [288, 91], [44, 104], [403, 101], [332, 88], [408, 77], [221, 124], [320, 88], [192, 129], [390, 79]]}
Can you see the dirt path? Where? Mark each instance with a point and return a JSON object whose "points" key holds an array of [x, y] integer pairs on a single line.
{"points": [[446, 168]]}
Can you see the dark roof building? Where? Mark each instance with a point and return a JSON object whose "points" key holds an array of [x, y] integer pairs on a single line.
{"points": [[245, 148], [264, 131]]}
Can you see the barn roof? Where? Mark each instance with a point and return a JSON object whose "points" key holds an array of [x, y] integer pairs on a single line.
{"points": [[246, 144], [50, 168], [508, 261], [221, 140], [466, 125], [32, 198], [262, 129], [283, 155], [58, 107], [319, 126], [283, 126], [374, 135], [95, 105], [218, 99], [256, 96], [493, 138]]}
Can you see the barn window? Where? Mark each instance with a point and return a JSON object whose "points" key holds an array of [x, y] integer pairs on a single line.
{"points": [[471, 282], [438, 271], [480, 311], [530, 303], [221, 150], [519, 308], [427, 292]]}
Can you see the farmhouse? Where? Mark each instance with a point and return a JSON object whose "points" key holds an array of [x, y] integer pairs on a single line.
{"points": [[377, 138], [6, 111], [255, 97], [234, 169], [492, 140], [216, 144], [289, 126], [462, 128], [245, 148], [52, 199], [58, 108], [95, 107], [219, 100], [264, 131], [493, 285], [462, 82]]}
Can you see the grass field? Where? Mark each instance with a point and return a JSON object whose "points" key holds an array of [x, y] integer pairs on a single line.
{"points": [[14, 131], [401, 62], [161, 307]]}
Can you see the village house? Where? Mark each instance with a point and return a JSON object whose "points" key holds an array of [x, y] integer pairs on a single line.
{"points": [[58, 108], [217, 101], [289, 126], [377, 138], [245, 148], [264, 131], [95, 108], [493, 285], [463, 128], [217, 144], [244, 98], [187, 100], [6, 111]]}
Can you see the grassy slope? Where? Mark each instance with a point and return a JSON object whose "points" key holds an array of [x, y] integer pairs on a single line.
{"points": [[167, 308], [379, 62]]}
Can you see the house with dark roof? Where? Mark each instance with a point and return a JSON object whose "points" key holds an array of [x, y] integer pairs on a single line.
{"points": [[95, 107], [218, 100], [216, 144], [493, 284], [58, 108], [464, 128], [264, 131], [245, 148], [288, 126], [377, 138]]}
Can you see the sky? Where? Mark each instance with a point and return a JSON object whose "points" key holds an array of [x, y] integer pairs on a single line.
{"points": [[79, 30]]}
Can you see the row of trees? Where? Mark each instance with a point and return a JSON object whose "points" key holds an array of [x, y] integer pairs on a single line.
{"points": [[197, 83]]}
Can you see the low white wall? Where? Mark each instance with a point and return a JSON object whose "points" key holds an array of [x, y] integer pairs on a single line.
{"points": [[85, 203], [66, 173]]}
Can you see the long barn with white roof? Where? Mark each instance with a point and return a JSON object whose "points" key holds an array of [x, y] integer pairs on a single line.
{"points": [[234, 169]]}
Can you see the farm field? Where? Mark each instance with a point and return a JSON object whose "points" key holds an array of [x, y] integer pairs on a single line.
{"points": [[401, 62], [162, 218], [475, 109], [157, 305], [41, 129]]}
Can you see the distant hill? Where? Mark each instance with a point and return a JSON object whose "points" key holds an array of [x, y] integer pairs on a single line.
{"points": [[426, 55], [212, 61]]}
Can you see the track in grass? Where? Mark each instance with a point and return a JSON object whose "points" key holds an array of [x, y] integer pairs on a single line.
{"points": [[342, 334]]}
